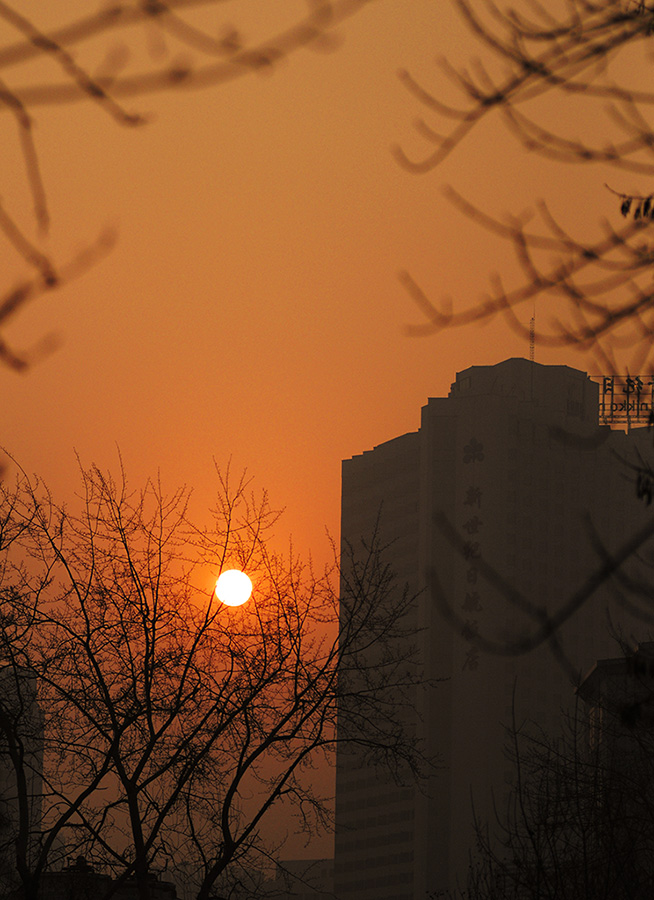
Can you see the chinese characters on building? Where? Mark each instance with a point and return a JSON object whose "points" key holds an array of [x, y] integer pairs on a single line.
{"points": [[626, 399]]}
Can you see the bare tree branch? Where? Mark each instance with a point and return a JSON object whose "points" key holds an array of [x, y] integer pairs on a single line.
{"points": [[568, 55], [106, 34]]}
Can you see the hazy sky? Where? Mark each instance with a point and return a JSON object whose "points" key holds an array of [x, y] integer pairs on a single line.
{"points": [[251, 309]]}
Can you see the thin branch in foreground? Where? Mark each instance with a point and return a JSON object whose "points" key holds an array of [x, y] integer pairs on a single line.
{"points": [[30, 289], [221, 60], [546, 624]]}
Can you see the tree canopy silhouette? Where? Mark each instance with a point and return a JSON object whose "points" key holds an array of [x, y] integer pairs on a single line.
{"points": [[171, 726]]}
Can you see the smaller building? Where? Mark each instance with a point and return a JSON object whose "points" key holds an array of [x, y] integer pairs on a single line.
{"points": [[619, 697], [302, 879], [81, 881], [21, 769]]}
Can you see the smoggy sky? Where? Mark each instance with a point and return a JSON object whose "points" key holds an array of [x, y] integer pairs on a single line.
{"points": [[251, 308]]}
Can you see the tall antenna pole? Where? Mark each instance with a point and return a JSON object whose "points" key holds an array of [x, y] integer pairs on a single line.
{"points": [[532, 336]]}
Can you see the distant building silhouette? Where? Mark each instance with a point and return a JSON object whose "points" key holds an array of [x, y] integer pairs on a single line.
{"points": [[81, 881], [619, 696], [21, 791], [21, 767], [511, 475], [301, 879]]}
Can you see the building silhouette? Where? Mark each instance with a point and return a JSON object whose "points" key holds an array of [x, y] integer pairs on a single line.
{"points": [[301, 879], [21, 769], [498, 510], [81, 881], [619, 698]]}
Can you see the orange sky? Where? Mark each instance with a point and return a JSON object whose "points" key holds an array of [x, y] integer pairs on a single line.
{"points": [[251, 309]]}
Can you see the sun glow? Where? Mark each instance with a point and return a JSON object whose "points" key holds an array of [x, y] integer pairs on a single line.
{"points": [[233, 587]]}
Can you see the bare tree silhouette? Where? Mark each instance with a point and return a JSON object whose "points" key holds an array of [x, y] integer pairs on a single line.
{"points": [[171, 725], [580, 820]]}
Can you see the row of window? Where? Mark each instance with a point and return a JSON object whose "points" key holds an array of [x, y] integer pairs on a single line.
{"points": [[381, 799], [379, 840], [378, 881], [375, 862], [380, 821]]}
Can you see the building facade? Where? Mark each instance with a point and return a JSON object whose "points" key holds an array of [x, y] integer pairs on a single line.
{"points": [[21, 770], [499, 511]]}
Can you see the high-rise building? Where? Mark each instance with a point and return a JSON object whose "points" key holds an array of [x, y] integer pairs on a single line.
{"points": [[498, 511], [21, 769]]}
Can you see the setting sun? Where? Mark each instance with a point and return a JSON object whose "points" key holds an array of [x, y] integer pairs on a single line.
{"points": [[233, 587]]}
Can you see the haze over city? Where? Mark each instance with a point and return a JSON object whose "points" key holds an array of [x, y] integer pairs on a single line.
{"points": [[251, 309], [267, 247]]}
